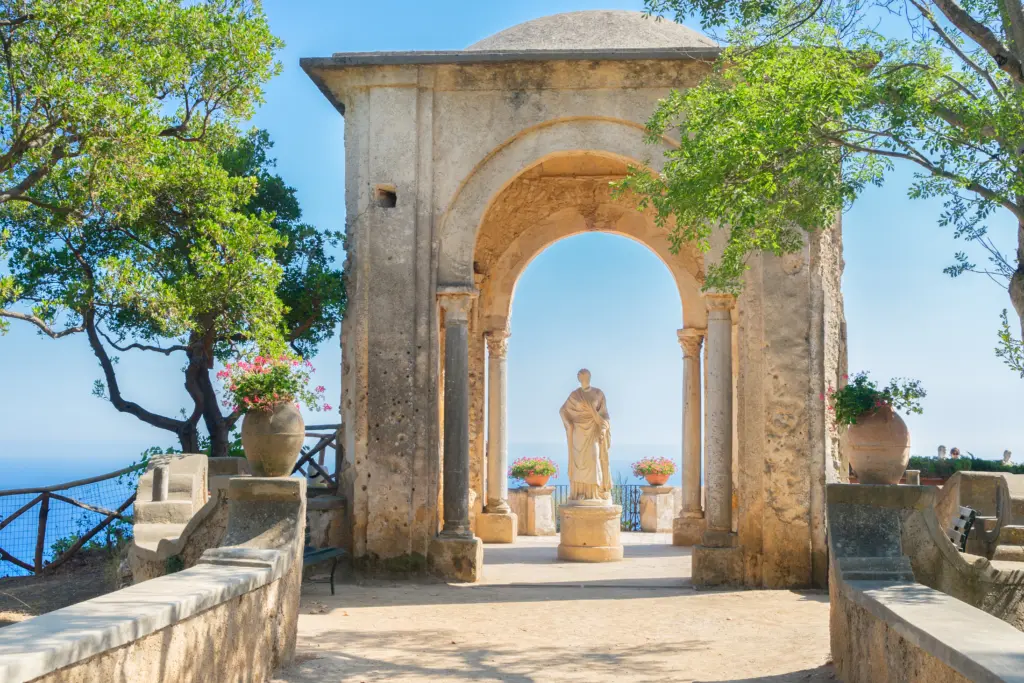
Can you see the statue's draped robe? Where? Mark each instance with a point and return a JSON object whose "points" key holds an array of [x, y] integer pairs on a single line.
{"points": [[588, 431]]}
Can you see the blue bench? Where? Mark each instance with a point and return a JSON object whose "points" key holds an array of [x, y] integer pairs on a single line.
{"points": [[312, 556]]}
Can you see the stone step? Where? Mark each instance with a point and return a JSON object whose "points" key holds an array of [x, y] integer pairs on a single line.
{"points": [[1011, 535], [876, 568], [164, 512], [1008, 553], [149, 535]]}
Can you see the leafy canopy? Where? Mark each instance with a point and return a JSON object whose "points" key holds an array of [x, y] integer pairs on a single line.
{"points": [[812, 100]]}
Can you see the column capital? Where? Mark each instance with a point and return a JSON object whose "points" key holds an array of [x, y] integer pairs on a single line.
{"points": [[720, 304], [497, 342], [690, 339], [456, 302]]}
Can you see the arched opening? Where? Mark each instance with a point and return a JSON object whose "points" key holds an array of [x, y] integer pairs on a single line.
{"points": [[561, 207]]}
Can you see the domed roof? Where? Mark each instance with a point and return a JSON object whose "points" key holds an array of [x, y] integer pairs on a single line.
{"points": [[594, 30]]}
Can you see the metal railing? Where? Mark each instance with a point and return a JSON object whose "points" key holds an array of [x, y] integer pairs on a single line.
{"points": [[626, 495]]}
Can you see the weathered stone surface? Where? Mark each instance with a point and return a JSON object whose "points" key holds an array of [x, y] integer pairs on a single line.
{"points": [[657, 508], [457, 559], [688, 531], [717, 566], [497, 527], [325, 516], [590, 533]]}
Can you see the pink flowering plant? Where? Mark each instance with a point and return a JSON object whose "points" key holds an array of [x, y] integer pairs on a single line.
{"points": [[861, 396], [265, 381], [655, 466], [525, 467]]}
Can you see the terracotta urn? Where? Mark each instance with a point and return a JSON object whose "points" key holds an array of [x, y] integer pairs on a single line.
{"points": [[879, 447], [272, 439], [656, 479], [537, 479]]}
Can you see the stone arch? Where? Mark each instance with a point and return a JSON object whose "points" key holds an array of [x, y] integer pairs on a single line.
{"points": [[579, 137]]}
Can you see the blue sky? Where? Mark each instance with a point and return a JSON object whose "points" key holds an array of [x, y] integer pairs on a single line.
{"points": [[904, 316]]}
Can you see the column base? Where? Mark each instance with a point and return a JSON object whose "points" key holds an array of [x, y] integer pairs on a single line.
{"points": [[497, 527], [657, 505], [590, 533], [456, 558], [688, 529], [718, 565]]}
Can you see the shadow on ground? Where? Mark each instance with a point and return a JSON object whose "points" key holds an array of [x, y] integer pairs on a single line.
{"points": [[821, 674], [416, 655]]}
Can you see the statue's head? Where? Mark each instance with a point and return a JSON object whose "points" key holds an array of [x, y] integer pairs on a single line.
{"points": [[1007, 455], [942, 451], [584, 377]]}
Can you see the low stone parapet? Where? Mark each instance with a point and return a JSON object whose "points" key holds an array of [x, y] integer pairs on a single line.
{"points": [[885, 625], [231, 617]]}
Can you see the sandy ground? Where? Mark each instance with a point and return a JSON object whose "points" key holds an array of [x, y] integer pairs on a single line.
{"points": [[85, 576], [536, 619]]}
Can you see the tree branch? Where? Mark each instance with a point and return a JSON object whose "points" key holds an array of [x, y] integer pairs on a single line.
{"points": [[948, 40], [983, 36], [142, 347], [118, 401], [41, 324]]}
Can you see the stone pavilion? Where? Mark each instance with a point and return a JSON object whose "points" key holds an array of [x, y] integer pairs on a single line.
{"points": [[461, 167]]}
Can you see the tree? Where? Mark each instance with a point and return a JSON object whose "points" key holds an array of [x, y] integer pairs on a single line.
{"points": [[89, 89], [216, 262], [813, 100]]}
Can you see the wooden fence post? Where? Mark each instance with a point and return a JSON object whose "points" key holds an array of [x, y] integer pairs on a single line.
{"points": [[44, 512]]}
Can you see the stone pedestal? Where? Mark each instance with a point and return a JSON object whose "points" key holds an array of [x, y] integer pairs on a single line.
{"points": [[497, 527], [688, 529], [590, 533], [540, 511], [657, 508], [456, 558]]}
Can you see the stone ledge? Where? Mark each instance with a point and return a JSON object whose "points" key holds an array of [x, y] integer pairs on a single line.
{"points": [[52, 641], [975, 644]]}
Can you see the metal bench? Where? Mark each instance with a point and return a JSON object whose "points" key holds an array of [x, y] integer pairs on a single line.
{"points": [[961, 528], [312, 556]]}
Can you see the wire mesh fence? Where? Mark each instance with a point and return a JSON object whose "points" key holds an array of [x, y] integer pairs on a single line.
{"points": [[626, 495], [40, 527]]}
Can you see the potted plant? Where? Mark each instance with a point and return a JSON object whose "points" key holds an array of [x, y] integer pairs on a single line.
{"points": [[268, 390], [878, 441], [535, 471], [655, 470]]}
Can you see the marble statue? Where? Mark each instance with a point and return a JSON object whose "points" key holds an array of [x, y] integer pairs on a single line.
{"points": [[588, 432], [1006, 457], [942, 452]]}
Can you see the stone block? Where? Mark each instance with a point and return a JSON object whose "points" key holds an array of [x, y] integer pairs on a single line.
{"points": [[657, 508], [717, 566], [163, 512], [457, 559], [497, 527], [590, 533], [540, 511], [325, 516], [688, 530]]}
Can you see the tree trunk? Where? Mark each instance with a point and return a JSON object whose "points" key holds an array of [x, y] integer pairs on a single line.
{"points": [[188, 437], [1016, 287]]}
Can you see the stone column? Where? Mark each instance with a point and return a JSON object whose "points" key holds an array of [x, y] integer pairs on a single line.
{"points": [[688, 527], [455, 553], [498, 524], [717, 560]]}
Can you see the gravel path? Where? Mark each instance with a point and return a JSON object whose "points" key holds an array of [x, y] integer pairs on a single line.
{"points": [[535, 619]]}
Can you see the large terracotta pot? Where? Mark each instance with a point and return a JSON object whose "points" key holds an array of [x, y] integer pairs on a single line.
{"points": [[656, 479], [537, 479], [272, 439], [879, 447]]}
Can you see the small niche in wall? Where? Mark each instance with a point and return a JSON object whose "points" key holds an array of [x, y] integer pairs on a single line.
{"points": [[387, 196]]}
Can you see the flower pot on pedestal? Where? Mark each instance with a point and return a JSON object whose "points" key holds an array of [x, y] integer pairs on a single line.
{"points": [[656, 479], [537, 479]]}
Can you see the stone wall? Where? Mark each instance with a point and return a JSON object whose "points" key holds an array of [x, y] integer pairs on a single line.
{"points": [[885, 625], [232, 617]]}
